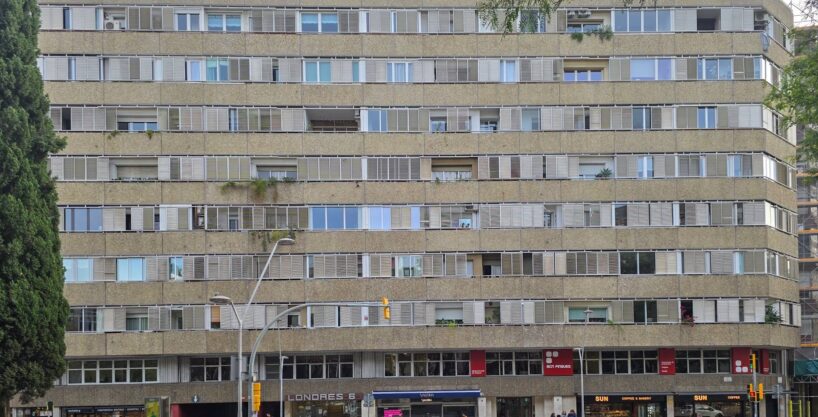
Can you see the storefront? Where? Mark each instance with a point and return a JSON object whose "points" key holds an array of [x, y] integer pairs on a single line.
{"points": [[712, 405], [455, 403], [515, 406], [105, 411], [648, 405], [325, 405]]}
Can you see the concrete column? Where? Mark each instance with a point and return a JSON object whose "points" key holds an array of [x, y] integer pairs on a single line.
{"points": [[539, 407], [569, 402], [369, 411], [671, 408], [491, 406], [548, 406], [481, 407], [288, 409]]}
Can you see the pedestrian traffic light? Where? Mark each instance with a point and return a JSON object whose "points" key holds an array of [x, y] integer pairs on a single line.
{"points": [[760, 391], [256, 396], [387, 312], [751, 393]]}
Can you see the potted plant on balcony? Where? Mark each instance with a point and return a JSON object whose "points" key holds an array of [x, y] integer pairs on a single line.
{"points": [[604, 174]]}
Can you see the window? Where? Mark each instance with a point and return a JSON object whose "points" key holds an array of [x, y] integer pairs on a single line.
{"points": [[210, 369], [576, 75], [644, 167], [310, 367], [531, 22], [409, 266], [82, 320], [187, 22], [78, 269], [399, 72], [437, 124], [644, 312], [706, 118], [224, 22], [714, 69], [531, 120], [508, 71], [319, 22], [647, 20], [637, 263], [317, 72], [66, 18], [377, 121], [426, 364], [217, 69], [702, 361], [130, 269], [380, 218], [193, 70], [641, 118], [514, 363], [597, 314], [175, 268], [137, 126], [82, 220], [583, 27], [136, 320], [335, 218], [646, 69], [121, 371]]}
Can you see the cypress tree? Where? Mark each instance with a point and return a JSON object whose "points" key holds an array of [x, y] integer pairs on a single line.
{"points": [[33, 311]]}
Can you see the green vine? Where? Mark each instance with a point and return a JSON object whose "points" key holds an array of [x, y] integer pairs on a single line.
{"points": [[149, 133], [258, 186], [112, 135], [604, 173], [604, 33], [266, 238]]}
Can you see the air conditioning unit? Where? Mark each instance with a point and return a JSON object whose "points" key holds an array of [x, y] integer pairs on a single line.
{"points": [[113, 24], [571, 14], [584, 14]]}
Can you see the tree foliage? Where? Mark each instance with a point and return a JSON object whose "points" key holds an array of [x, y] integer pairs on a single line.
{"points": [[502, 15], [33, 311], [796, 98]]}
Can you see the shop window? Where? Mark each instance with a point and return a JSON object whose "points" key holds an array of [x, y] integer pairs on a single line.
{"points": [[702, 361], [426, 364], [210, 369], [514, 363], [515, 406]]}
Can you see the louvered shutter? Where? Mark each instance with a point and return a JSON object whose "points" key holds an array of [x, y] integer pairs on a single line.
{"points": [[727, 311], [704, 311], [694, 262]]}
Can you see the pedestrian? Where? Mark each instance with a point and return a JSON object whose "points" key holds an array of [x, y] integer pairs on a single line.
{"points": [[572, 413], [553, 415]]}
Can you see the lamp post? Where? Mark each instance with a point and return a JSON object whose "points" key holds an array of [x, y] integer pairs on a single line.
{"points": [[581, 351], [281, 383], [224, 300]]}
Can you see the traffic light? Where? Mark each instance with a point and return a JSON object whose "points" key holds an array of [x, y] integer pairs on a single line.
{"points": [[753, 362], [760, 391], [387, 312], [256, 396], [751, 393]]}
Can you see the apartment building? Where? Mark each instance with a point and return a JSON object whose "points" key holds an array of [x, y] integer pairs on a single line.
{"points": [[540, 210]]}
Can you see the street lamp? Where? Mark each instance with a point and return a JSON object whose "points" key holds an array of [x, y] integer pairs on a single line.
{"points": [[281, 383], [581, 351], [224, 300]]}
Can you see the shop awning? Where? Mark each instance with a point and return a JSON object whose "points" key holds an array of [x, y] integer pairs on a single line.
{"points": [[419, 395]]}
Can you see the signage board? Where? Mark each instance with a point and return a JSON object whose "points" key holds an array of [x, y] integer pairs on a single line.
{"points": [[326, 396], [558, 362]]}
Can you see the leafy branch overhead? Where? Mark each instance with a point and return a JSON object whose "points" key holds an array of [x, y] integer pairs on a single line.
{"points": [[503, 15], [796, 97]]}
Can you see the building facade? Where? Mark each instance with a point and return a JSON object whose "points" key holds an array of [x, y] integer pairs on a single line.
{"points": [[524, 200]]}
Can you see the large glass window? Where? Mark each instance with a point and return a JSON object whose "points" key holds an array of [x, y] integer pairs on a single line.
{"points": [[706, 118], [175, 268], [335, 218], [646, 20], [187, 22], [130, 269], [409, 266], [121, 371], [508, 71], [644, 167], [426, 364], [531, 120], [217, 69], [317, 72], [319, 22], [78, 269], [399, 72], [643, 69], [637, 263], [714, 69], [82, 320], [514, 363], [210, 369], [377, 121], [597, 314], [310, 367], [219, 22], [82, 220], [702, 361]]}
